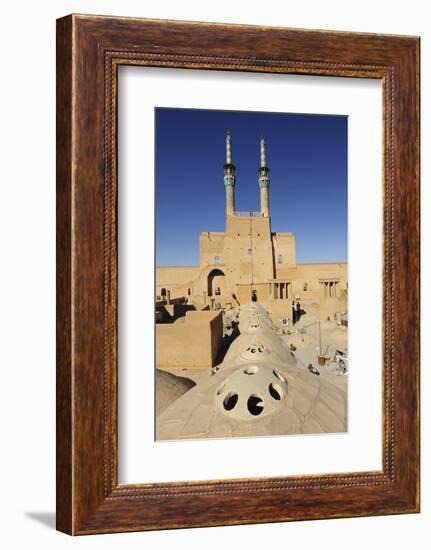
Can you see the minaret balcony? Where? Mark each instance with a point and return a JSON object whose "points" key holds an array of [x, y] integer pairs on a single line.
{"points": [[229, 180], [263, 181]]}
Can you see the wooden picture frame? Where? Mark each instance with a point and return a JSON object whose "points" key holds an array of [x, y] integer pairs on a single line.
{"points": [[89, 51]]}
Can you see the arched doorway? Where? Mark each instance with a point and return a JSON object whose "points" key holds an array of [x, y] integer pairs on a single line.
{"points": [[216, 283]]}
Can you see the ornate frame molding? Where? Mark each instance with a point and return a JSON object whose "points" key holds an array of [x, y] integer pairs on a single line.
{"points": [[90, 49]]}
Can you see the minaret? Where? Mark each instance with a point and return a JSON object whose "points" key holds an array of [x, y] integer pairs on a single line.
{"points": [[263, 181], [229, 179]]}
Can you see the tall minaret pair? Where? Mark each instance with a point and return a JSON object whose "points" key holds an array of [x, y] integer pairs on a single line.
{"points": [[230, 179]]}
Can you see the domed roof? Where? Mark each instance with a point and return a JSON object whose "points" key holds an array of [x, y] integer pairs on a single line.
{"points": [[260, 389]]}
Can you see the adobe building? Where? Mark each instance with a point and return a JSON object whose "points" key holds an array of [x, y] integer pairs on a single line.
{"points": [[260, 388], [249, 262]]}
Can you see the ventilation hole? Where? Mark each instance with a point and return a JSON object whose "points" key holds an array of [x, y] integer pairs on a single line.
{"points": [[253, 350], [221, 388], [275, 391], [230, 401], [255, 405], [279, 376], [251, 370], [261, 348]]}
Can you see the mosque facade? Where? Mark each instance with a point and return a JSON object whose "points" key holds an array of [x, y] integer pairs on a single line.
{"points": [[248, 262]]}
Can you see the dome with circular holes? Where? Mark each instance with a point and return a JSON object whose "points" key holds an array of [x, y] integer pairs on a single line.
{"points": [[251, 392], [253, 327], [255, 352]]}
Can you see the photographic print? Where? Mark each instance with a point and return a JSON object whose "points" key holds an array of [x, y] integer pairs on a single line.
{"points": [[209, 302], [251, 277]]}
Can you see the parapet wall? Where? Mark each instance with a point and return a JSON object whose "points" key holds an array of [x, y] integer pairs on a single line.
{"points": [[193, 341]]}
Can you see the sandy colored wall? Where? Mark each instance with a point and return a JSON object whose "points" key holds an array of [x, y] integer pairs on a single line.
{"points": [[176, 275], [262, 291], [311, 274], [177, 279], [238, 280], [192, 341], [284, 246], [229, 252]]}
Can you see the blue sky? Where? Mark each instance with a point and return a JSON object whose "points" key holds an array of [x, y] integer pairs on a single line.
{"points": [[307, 158]]}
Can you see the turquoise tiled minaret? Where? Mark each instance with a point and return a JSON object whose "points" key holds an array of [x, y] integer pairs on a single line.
{"points": [[263, 181], [229, 178]]}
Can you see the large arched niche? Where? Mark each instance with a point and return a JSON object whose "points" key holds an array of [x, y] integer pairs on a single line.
{"points": [[216, 283]]}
